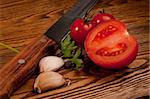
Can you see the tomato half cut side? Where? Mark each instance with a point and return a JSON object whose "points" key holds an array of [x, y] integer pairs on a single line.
{"points": [[115, 50], [111, 29]]}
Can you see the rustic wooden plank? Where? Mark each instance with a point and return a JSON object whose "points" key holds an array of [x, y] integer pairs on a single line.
{"points": [[116, 83], [130, 83], [19, 27], [19, 30], [21, 21]]}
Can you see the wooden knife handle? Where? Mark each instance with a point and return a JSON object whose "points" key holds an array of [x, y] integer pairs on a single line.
{"points": [[20, 68]]}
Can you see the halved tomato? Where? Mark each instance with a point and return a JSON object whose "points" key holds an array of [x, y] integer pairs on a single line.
{"points": [[110, 46]]}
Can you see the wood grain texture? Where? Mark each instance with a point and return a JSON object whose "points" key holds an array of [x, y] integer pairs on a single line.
{"points": [[20, 68], [21, 21]]}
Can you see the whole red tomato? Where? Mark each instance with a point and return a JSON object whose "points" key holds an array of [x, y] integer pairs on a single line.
{"points": [[79, 30], [110, 46], [101, 18]]}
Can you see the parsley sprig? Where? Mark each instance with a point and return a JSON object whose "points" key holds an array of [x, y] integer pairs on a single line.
{"points": [[67, 48]]}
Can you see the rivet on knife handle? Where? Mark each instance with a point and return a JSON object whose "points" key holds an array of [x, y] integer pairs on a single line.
{"points": [[21, 67]]}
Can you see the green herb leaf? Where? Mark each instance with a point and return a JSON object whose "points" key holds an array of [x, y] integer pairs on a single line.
{"points": [[67, 47], [77, 62], [77, 54]]}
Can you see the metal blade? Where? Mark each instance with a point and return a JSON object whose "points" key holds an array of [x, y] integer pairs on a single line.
{"points": [[58, 30]]}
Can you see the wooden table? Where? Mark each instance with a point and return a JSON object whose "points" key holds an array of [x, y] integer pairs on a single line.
{"points": [[23, 20]]}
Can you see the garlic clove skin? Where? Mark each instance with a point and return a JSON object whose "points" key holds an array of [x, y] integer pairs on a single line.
{"points": [[48, 80], [50, 63]]}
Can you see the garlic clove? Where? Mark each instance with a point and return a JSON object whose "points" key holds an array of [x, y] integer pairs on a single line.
{"points": [[48, 80], [50, 63]]}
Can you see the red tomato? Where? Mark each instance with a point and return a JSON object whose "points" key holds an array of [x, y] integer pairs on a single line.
{"points": [[79, 30], [110, 46], [101, 18]]}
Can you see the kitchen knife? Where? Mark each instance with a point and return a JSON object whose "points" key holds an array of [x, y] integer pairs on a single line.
{"points": [[21, 67]]}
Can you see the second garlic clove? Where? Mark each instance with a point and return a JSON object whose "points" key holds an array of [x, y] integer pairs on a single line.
{"points": [[48, 80], [50, 63]]}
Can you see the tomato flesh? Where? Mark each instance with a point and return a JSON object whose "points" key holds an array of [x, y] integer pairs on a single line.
{"points": [[79, 29], [105, 32], [113, 51], [114, 48]]}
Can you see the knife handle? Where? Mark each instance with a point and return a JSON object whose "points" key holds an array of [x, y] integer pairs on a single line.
{"points": [[20, 68]]}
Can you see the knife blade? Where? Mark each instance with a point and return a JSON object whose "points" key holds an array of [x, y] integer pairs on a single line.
{"points": [[78, 11], [22, 66]]}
